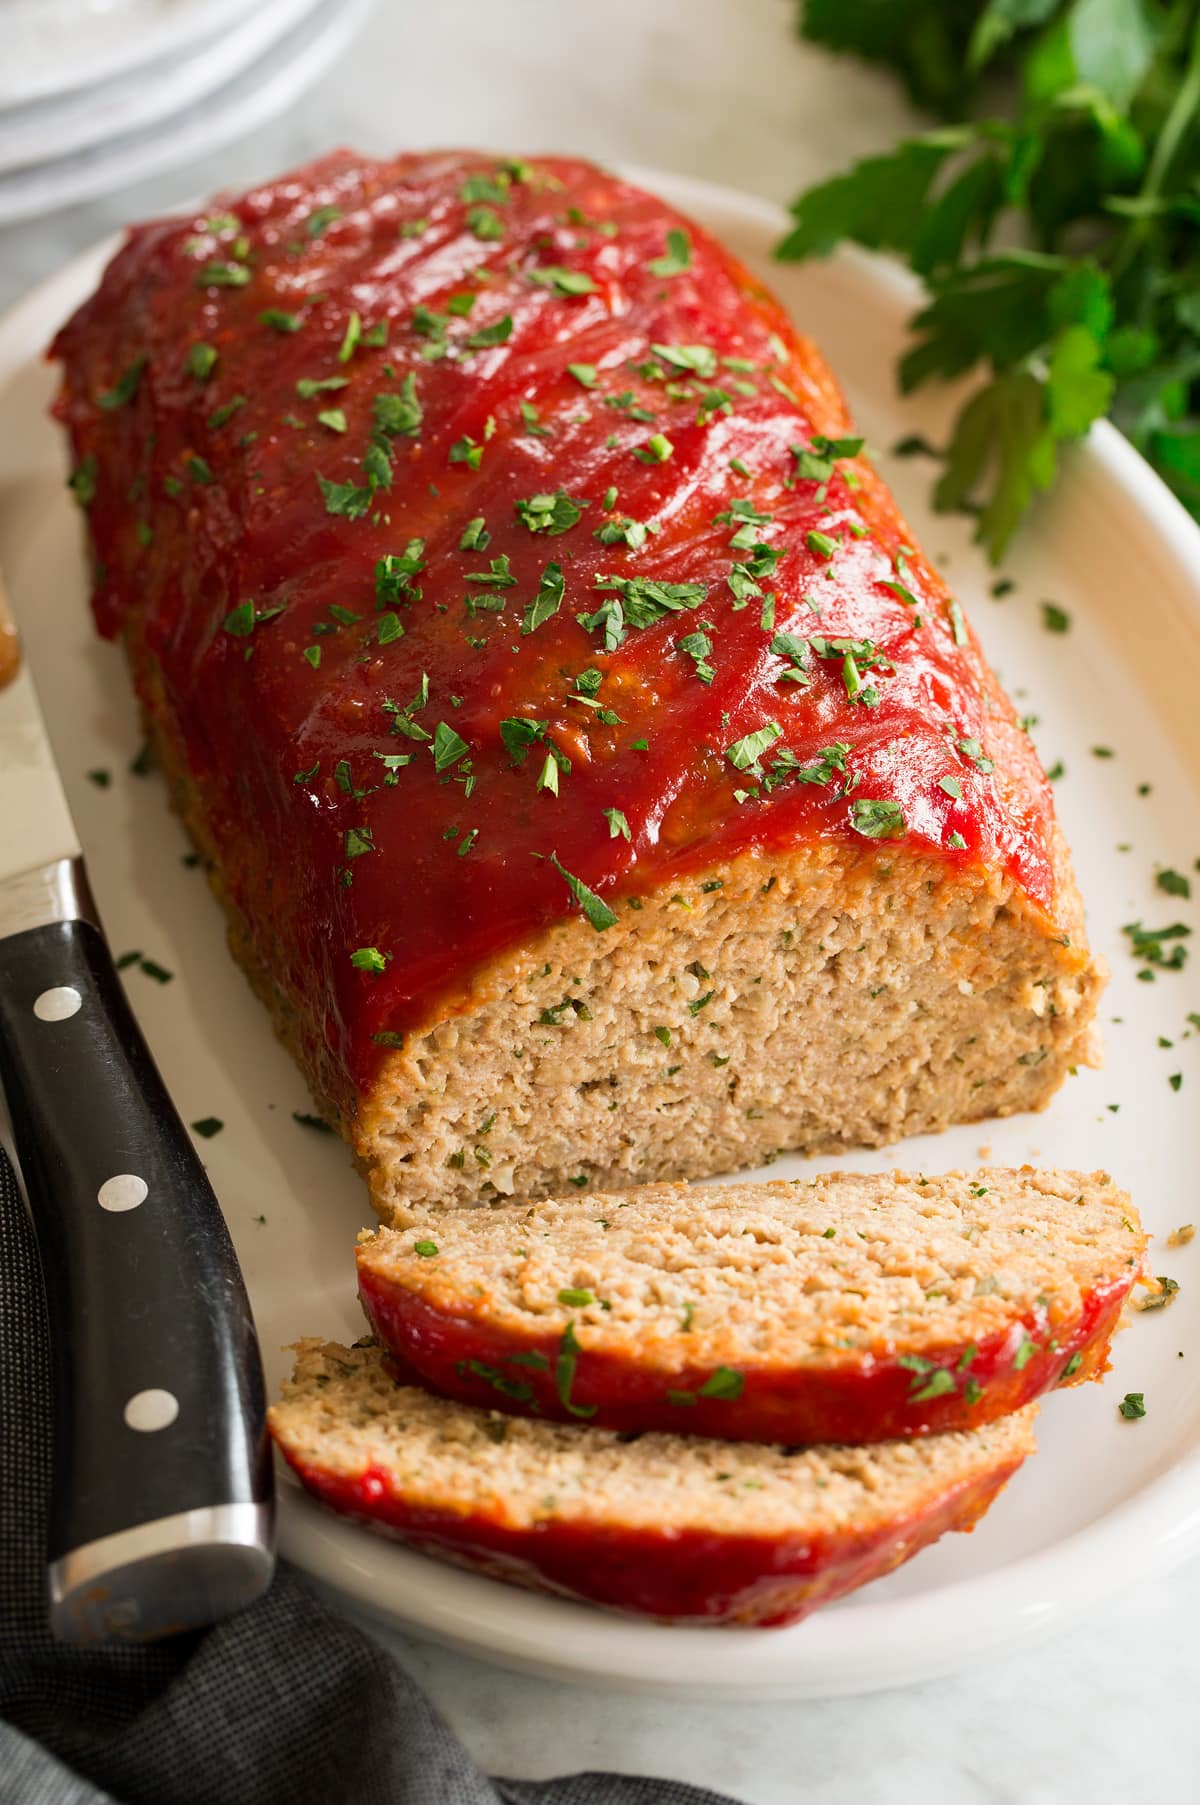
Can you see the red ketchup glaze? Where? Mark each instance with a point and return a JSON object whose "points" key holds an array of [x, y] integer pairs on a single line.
{"points": [[201, 473], [864, 1397], [762, 1580]]}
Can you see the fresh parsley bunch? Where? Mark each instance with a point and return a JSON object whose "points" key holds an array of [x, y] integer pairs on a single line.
{"points": [[1093, 169]]}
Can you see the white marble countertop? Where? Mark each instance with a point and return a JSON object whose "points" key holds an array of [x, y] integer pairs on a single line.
{"points": [[717, 89]]}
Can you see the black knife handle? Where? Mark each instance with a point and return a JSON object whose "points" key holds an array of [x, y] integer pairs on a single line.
{"points": [[160, 1515]]}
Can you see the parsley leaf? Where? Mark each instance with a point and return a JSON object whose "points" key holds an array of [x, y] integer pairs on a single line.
{"points": [[593, 906], [678, 256], [1092, 164]]}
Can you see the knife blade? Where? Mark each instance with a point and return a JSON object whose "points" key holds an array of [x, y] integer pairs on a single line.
{"points": [[161, 1514]]}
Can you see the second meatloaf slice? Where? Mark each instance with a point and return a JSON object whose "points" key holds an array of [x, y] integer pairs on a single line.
{"points": [[663, 1525], [601, 785], [850, 1308]]}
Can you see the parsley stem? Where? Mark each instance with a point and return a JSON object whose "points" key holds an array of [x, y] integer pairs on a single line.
{"points": [[1175, 127]]}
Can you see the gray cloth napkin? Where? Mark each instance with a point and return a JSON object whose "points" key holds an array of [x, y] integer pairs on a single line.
{"points": [[286, 1704]]}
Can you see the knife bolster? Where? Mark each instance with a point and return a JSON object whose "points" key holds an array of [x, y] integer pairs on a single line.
{"points": [[45, 895]]}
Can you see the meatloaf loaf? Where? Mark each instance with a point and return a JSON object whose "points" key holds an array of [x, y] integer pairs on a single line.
{"points": [[669, 1526], [850, 1308], [601, 785]]}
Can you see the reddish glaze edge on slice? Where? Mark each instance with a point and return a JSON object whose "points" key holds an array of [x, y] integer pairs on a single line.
{"points": [[860, 1398], [765, 1581]]}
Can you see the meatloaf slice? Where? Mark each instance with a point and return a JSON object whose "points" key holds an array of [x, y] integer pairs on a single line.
{"points": [[669, 1526], [601, 785], [848, 1308]]}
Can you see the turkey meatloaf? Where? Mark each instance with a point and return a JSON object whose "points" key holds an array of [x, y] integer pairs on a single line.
{"points": [[601, 785], [670, 1526], [847, 1308]]}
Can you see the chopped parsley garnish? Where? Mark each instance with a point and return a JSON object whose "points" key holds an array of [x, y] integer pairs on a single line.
{"points": [[820, 543], [877, 818], [394, 574], [697, 647], [279, 321], [550, 514], [475, 536], [496, 334], [1054, 618], [1168, 1290], [223, 275], [426, 1249], [815, 461], [397, 414], [1174, 883], [221, 416], [724, 1383], [657, 449], [308, 386], [448, 747], [320, 218], [519, 734], [1133, 1406], [642, 602], [618, 826], [564, 281], [584, 374], [622, 532], [201, 361], [678, 256], [548, 600], [745, 753], [564, 1373], [1150, 944], [593, 906], [575, 1297], [467, 451], [207, 1126], [241, 621], [357, 841], [333, 418], [483, 187], [698, 360], [938, 1385], [318, 1124], [125, 387], [485, 223], [369, 958], [350, 338], [972, 749], [82, 481], [499, 573]]}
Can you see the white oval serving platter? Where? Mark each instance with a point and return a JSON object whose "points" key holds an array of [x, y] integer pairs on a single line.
{"points": [[1106, 1503]]}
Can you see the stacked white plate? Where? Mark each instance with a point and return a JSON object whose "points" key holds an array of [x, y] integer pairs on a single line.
{"points": [[94, 93]]}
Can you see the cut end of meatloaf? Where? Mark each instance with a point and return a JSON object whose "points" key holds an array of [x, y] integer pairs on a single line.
{"points": [[806, 1002], [672, 1526], [848, 1307]]}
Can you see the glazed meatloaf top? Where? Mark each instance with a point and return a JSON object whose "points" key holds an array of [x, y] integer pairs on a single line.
{"points": [[501, 550]]}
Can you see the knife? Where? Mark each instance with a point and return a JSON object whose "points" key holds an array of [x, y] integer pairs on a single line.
{"points": [[161, 1515]]}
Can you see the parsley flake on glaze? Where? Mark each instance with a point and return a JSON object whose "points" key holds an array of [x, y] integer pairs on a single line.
{"points": [[551, 514], [677, 258], [877, 818], [594, 907]]}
